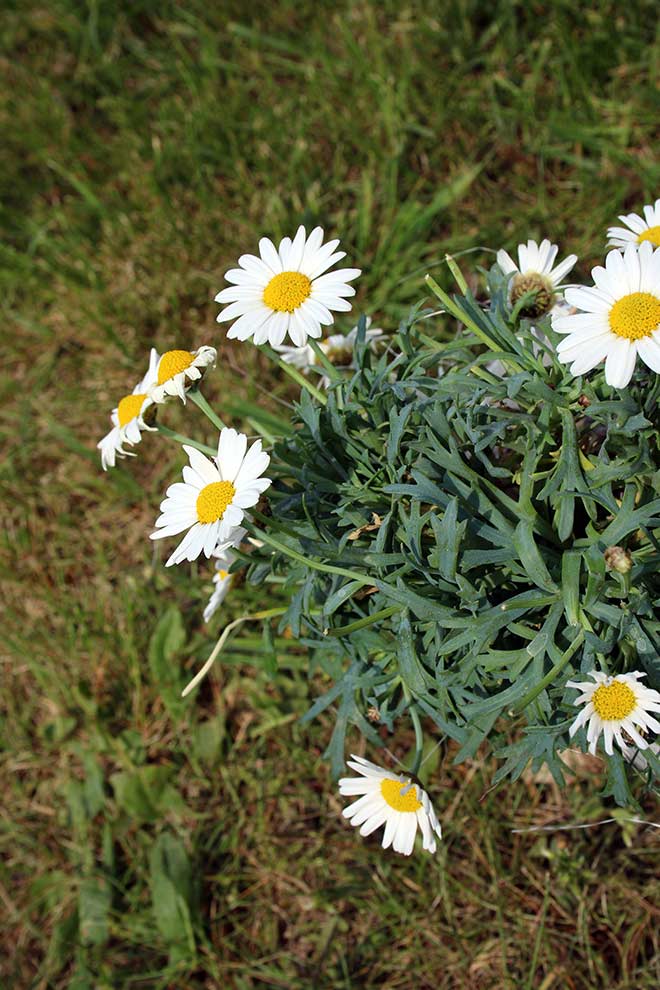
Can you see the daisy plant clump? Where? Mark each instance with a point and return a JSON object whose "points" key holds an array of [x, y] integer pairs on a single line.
{"points": [[463, 514]]}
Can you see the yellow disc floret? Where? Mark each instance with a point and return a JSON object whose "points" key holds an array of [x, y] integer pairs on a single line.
{"points": [[223, 575], [652, 235], [173, 363], [614, 701], [213, 500], [129, 407], [286, 291], [400, 796], [635, 316]]}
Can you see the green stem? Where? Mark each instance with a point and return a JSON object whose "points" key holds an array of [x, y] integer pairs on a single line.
{"points": [[458, 313], [324, 360], [202, 404], [326, 568], [367, 621], [550, 676], [419, 735], [296, 376], [179, 437], [201, 674]]}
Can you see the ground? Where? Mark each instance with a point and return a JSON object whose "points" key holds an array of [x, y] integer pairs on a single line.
{"points": [[155, 843]]}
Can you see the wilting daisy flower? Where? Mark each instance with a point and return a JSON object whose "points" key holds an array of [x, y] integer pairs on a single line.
{"points": [[127, 418], [391, 800], [613, 705], [338, 348], [178, 370], [285, 291], [620, 318], [222, 579], [638, 230], [535, 271], [211, 500]]}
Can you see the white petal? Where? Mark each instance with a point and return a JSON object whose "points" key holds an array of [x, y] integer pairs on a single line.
{"points": [[620, 362], [506, 262], [269, 255], [648, 349], [231, 451]]}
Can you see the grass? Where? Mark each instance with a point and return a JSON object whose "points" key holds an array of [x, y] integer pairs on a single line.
{"points": [[152, 843]]}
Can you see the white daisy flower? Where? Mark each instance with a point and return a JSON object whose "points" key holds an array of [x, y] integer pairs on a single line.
{"points": [[285, 291], [178, 370], [613, 705], [620, 318], [222, 579], [639, 230], [392, 800], [338, 348], [535, 271], [127, 419], [211, 500]]}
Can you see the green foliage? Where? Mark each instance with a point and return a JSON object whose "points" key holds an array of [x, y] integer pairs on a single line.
{"points": [[448, 512]]}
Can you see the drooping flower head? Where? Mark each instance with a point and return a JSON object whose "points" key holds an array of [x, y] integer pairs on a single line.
{"points": [[638, 230], [179, 370], [620, 317], [613, 705], [392, 800], [535, 272], [222, 579], [285, 291], [127, 418], [211, 501]]}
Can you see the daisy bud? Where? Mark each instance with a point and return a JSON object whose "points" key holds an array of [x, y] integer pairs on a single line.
{"points": [[619, 560]]}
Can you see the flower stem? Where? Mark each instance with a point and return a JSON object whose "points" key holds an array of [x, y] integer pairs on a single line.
{"points": [[324, 360], [367, 621], [296, 376], [550, 676], [202, 404], [201, 674], [179, 437], [327, 568], [419, 735]]}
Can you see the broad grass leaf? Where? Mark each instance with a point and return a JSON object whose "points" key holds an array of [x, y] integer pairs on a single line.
{"points": [[94, 900], [166, 642]]}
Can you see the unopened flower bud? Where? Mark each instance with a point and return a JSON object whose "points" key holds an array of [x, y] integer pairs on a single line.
{"points": [[617, 559]]}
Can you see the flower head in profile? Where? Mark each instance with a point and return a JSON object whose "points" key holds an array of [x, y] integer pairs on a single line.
{"points": [[613, 705], [179, 370], [620, 317], [637, 229], [285, 291], [535, 272], [211, 501], [392, 800], [222, 579], [128, 418], [338, 348]]}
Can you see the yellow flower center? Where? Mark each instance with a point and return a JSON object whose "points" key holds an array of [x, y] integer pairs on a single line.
{"points": [[614, 701], [213, 500], [652, 235], [393, 792], [286, 291], [222, 574], [129, 407], [635, 316], [173, 363]]}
